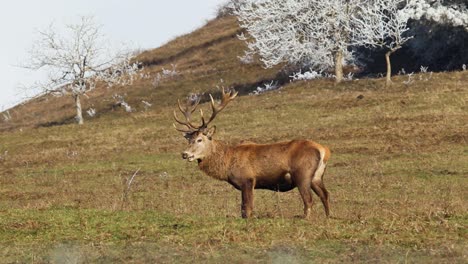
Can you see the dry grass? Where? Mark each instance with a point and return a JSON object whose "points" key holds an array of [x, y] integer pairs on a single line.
{"points": [[397, 175]]}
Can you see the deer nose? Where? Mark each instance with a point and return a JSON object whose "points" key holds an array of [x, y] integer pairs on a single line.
{"points": [[184, 155]]}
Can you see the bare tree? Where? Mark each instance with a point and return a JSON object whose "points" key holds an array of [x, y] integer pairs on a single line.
{"points": [[77, 60], [382, 23], [312, 33]]}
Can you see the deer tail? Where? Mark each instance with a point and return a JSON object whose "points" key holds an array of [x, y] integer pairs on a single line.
{"points": [[324, 156]]}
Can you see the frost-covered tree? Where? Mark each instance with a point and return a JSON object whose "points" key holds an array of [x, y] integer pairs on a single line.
{"points": [[453, 13], [227, 8], [313, 33], [334, 26], [382, 23], [77, 60]]}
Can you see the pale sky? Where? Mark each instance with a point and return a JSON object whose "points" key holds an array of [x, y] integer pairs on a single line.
{"points": [[143, 24]]}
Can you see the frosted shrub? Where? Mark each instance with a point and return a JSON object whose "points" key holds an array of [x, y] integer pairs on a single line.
{"points": [[127, 107], [410, 79], [246, 58], [164, 74], [121, 102], [170, 73], [146, 105], [267, 87], [424, 77], [91, 112], [349, 76], [308, 75]]}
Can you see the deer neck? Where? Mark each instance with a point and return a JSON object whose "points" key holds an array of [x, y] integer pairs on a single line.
{"points": [[216, 163]]}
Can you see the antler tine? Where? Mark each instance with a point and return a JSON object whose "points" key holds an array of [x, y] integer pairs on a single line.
{"points": [[187, 124], [187, 131], [187, 112], [183, 130], [225, 99], [202, 118], [195, 105]]}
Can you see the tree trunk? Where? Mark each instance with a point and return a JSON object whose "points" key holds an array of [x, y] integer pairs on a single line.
{"points": [[388, 80], [338, 66], [79, 114]]}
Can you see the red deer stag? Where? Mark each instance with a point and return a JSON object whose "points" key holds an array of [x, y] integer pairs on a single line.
{"points": [[279, 167]]}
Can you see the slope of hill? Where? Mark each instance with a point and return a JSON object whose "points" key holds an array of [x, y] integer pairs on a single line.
{"points": [[202, 60], [397, 174]]}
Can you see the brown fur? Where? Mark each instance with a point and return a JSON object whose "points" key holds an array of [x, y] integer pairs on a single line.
{"points": [[280, 167]]}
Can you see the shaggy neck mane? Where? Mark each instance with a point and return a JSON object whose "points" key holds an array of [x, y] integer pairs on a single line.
{"points": [[216, 164]]}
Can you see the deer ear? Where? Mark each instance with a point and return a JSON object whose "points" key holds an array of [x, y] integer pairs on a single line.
{"points": [[210, 132]]}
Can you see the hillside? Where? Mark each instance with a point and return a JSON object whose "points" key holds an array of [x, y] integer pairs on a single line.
{"points": [[203, 60], [397, 174]]}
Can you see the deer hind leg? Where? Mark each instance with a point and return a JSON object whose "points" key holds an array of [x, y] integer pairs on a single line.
{"points": [[306, 194], [319, 189], [247, 198]]}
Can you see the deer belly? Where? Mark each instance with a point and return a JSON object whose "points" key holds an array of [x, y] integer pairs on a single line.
{"points": [[283, 183]]}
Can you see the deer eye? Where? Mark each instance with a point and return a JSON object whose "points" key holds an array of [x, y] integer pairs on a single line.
{"points": [[199, 140]]}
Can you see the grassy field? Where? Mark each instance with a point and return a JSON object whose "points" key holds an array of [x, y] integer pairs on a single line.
{"points": [[397, 175]]}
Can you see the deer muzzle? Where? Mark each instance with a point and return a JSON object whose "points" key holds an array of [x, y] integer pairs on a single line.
{"points": [[187, 156]]}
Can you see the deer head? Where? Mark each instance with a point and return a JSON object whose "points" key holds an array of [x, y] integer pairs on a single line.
{"points": [[200, 136]]}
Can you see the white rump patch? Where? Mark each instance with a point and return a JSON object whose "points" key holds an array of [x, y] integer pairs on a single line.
{"points": [[321, 167]]}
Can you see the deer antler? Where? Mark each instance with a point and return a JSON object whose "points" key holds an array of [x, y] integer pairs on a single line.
{"points": [[188, 110], [225, 99]]}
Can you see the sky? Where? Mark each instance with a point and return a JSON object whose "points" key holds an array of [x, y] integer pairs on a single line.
{"points": [[142, 24]]}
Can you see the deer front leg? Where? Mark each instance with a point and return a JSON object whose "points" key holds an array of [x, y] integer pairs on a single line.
{"points": [[247, 198]]}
